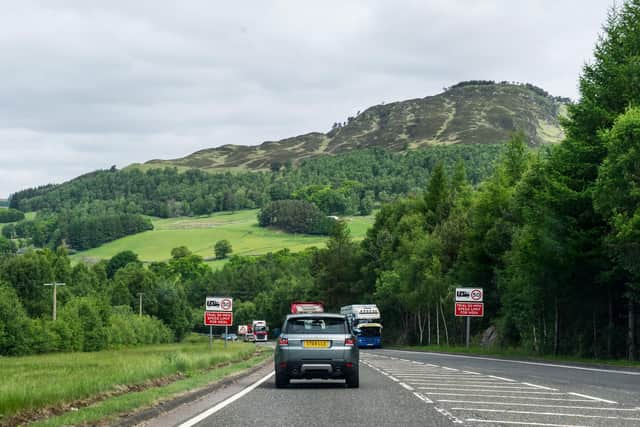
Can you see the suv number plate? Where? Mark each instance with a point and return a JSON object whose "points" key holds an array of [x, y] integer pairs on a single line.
{"points": [[316, 344]]}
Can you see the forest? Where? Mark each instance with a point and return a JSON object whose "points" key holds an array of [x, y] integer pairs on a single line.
{"points": [[551, 235]]}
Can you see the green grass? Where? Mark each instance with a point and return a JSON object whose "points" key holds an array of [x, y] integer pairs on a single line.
{"points": [[33, 382], [128, 402], [518, 354], [200, 234]]}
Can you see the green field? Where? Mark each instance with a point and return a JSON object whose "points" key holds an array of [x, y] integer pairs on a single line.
{"points": [[33, 382], [200, 234]]}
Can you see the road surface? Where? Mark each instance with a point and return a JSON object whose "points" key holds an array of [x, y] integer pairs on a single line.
{"points": [[402, 388]]}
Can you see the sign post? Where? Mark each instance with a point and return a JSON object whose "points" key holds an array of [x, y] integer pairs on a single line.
{"points": [[218, 312], [469, 304]]}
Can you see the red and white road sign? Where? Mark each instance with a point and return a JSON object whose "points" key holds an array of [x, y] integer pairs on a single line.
{"points": [[218, 318], [469, 294], [219, 304], [469, 309]]}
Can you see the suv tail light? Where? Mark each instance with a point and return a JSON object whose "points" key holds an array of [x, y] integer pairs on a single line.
{"points": [[349, 341], [283, 341]]}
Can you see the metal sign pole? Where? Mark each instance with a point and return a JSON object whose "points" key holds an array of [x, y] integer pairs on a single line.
{"points": [[468, 327], [226, 335], [210, 337]]}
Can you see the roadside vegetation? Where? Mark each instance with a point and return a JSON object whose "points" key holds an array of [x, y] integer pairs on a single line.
{"points": [[34, 383]]}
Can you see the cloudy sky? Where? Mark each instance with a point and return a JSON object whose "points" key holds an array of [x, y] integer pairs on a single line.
{"points": [[89, 84]]}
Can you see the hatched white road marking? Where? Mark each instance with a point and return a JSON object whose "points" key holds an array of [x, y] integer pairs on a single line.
{"points": [[597, 399], [454, 391], [522, 423], [557, 414]]}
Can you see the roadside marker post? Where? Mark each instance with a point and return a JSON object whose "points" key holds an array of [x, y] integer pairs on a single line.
{"points": [[469, 304]]}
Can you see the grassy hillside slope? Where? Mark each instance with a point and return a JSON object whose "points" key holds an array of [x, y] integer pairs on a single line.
{"points": [[200, 234], [469, 112]]}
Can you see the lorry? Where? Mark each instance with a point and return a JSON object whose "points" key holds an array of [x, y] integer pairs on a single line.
{"points": [[366, 323], [307, 307], [260, 330]]}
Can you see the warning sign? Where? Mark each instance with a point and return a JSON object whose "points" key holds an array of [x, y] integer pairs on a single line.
{"points": [[469, 309], [218, 318]]}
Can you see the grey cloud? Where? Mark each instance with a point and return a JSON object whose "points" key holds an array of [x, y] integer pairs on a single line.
{"points": [[88, 84]]}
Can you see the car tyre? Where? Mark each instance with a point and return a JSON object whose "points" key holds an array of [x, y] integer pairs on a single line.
{"points": [[282, 379], [353, 379]]}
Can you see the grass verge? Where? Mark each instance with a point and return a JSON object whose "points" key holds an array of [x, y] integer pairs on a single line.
{"points": [[518, 354], [51, 383], [108, 410]]}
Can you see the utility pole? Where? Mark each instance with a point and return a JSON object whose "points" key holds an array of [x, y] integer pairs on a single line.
{"points": [[55, 301], [140, 304]]}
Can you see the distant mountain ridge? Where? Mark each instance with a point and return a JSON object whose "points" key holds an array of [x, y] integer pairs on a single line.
{"points": [[473, 112]]}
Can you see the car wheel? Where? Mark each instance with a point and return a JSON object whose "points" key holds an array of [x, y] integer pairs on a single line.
{"points": [[353, 379], [282, 379]]}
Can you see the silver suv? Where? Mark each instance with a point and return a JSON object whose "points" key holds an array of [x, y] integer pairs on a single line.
{"points": [[318, 345]]}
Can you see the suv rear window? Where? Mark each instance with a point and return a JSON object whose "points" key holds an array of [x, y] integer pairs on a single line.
{"points": [[316, 325]]}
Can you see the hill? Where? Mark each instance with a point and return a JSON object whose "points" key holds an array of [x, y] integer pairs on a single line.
{"points": [[4, 203], [200, 234], [475, 112]]}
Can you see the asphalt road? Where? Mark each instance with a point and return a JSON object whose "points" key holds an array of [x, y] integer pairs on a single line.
{"points": [[402, 388]]}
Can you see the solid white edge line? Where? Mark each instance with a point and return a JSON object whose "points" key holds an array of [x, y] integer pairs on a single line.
{"points": [[206, 414], [540, 386], [597, 399], [522, 362], [521, 423]]}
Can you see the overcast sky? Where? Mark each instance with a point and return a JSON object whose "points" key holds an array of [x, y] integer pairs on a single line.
{"points": [[89, 84]]}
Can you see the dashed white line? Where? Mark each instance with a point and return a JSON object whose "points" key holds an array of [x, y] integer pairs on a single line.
{"points": [[449, 369], [408, 387], [449, 415], [597, 399], [422, 397], [394, 378]]}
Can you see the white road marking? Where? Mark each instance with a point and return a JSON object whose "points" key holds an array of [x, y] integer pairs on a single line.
{"points": [[206, 414], [599, 408], [597, 399], [540, 386], [522, 423], [555, 399], [422, 397], [449, 369], [449, 415], [472, 373], [394, 378], [522, 362], [466, 386], [519, 391], [556, 414], [408, 387], [502, 378]]}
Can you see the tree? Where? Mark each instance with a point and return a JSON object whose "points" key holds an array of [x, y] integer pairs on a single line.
{"points": [[617, 198], [120, 260], [222, 249], [180, 252], [14, 323]]}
